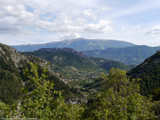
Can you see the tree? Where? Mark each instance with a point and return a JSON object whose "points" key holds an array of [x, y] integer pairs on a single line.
{"points": [[63, 111], [156, 108], [4, 110], [37, 94], [155, 93], [41, 101], [120, 100]]}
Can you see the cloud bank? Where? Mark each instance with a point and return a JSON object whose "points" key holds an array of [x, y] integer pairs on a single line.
{"points": [[39, 21]]}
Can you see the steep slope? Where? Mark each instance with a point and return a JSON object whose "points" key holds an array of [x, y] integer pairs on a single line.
{"points": [[79, 44], [130, 55], [71, 64], [12, 79], [149, 72]]}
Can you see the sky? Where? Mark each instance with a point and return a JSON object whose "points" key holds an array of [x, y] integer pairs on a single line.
{"points": [[42, 21]]}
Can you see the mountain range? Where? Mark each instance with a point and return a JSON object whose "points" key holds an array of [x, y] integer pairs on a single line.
{"points": [[124, 52], [79, 44], [130, 55]]}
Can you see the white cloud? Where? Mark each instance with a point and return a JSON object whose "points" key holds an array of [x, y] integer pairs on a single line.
{"points": [[137, 27], [63, 21], [88, 13], [57, 6], [102, 27], [13, 16], [155, 30], [70, 36], [34, 21]]}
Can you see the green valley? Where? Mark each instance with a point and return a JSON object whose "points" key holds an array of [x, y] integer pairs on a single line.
{"points": [[72, 65], [89, 88], [76, 68]]}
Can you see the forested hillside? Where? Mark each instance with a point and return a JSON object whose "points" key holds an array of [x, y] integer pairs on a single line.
{"points": [[119, 99], [12, 64], [76, 68], [149, 72], [72, 65]]}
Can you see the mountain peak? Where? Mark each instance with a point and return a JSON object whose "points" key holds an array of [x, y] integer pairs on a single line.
{"points": [[80, 44]]}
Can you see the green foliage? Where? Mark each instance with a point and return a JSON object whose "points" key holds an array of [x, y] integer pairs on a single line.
{"points": [[63, 111], [119, 100], [10, 79], [155, 94], [36, 103], [156, 108], [4, 110], [8, 111], [8, 92], [43, 102], [148, 71]]}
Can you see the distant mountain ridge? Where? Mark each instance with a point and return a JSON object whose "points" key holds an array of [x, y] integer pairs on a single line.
{"points": [[129, 55], [79, 44], [60, 50], [108, 64]]}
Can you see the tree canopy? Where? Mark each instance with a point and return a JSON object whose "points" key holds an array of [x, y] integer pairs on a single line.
{"points": [[119, 100]]}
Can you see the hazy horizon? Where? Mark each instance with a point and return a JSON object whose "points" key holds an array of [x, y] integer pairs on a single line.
{"points": [[80, 38]]}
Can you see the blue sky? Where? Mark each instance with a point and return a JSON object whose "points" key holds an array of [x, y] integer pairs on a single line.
{"points": [[41, 21]]}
